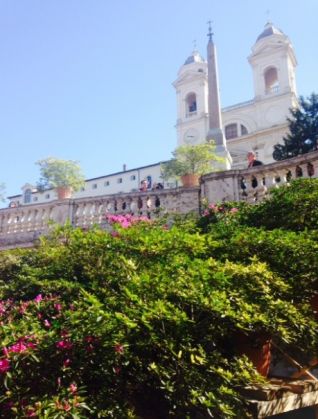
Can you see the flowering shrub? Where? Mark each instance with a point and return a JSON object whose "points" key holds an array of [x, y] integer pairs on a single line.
{"points": [[126, 220], [213, 213], [93, 326]]}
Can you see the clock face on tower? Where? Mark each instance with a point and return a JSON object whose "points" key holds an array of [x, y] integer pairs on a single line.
{"points": [[191, 136]]}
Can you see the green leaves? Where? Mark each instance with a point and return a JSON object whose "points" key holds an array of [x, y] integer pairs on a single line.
{"points": [[152, 314], [191, 159], [303, 127], [60, 173]]}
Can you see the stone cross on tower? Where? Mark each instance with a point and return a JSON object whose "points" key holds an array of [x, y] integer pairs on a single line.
{"points": [[215, 132]]}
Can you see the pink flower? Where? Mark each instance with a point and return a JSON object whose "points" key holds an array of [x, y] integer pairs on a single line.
{"points": [[206, 213], [67, 407], [47, 323], [73, 388], [234, 210], [23, 307], [66, 363], [64, 344], [5, 351], [4, 365], [58, 307], [31, 413], [20, 346], [119, 348], [117, 370], [115, 234], [38, 298]]}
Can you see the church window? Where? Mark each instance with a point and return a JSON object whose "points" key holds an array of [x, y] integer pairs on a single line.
{"points": [[243, 130], [94, 186], [120, 180], [231, 131], [271, 80], [35, 198], [27, 196], [107, 183], [133, 177], [47, 196], [191, 104]]}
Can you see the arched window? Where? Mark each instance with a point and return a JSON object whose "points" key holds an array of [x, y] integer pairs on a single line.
{"points": [[231, 131], [271, 80], [191, 104], [27, 196], [243, 130]]}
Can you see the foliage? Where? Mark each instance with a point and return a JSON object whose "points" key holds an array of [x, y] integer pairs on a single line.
{"points": [[303, 127], [142, 320], [60, 173], [191, 159], [292, 207]]}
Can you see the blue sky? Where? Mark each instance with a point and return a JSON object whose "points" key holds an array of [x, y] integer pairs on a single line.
{"points": [[91, 80]]}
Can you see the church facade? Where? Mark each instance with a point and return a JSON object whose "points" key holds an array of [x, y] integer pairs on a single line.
{"points": [[257, 124]]}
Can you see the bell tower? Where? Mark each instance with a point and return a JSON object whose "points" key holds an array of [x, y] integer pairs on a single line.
{"points": [[192, 100], [273, 63]]}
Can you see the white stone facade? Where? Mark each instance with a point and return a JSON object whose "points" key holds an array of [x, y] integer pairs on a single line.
{"points": [[120, 182], [254, 125]]}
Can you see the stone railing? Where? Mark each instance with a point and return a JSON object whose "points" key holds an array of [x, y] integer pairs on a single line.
{"points": [[20, 226], [253, 185]]}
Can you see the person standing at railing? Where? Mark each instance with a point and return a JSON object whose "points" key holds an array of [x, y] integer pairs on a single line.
{"points": [[252, 161]]}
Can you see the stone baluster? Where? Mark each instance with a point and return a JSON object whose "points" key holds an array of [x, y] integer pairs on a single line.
{"points": [[133, 206], [100, 213], [78, 217], [91, 213]]}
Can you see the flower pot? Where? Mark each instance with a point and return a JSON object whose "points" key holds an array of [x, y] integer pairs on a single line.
{"points": [[190, 180], [257, 348], [63, 192]]}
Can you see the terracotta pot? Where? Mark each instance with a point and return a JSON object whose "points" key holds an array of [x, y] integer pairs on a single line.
{"points": [[190, 180], [63, 192], [257, 348]]}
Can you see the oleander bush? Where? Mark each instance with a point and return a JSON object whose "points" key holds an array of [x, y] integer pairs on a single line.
{"points": [[141, 321]]}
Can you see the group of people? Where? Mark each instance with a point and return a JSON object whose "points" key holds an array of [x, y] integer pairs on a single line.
{"points": [[144, 186], [251, 162]]}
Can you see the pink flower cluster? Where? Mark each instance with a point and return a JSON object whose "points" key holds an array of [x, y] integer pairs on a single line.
{"points": [[64, 344], [22, 345], [4, 365], [126, 220], [5, 305]]}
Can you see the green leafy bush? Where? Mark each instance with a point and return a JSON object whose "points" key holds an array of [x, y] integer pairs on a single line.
{"points": [[144, 319]]}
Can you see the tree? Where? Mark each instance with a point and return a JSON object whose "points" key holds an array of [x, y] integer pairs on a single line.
{"points": [[191, 159], [303, 127], [57, 173]]}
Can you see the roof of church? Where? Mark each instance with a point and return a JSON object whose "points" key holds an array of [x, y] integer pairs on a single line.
{"points": [[195, 57], [269, 30]]}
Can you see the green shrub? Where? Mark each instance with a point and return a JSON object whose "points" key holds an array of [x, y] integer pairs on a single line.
{"points": [[144, 319]]}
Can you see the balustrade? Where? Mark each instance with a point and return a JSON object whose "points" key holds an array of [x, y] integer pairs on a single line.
{"points": [[251, 185]]}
